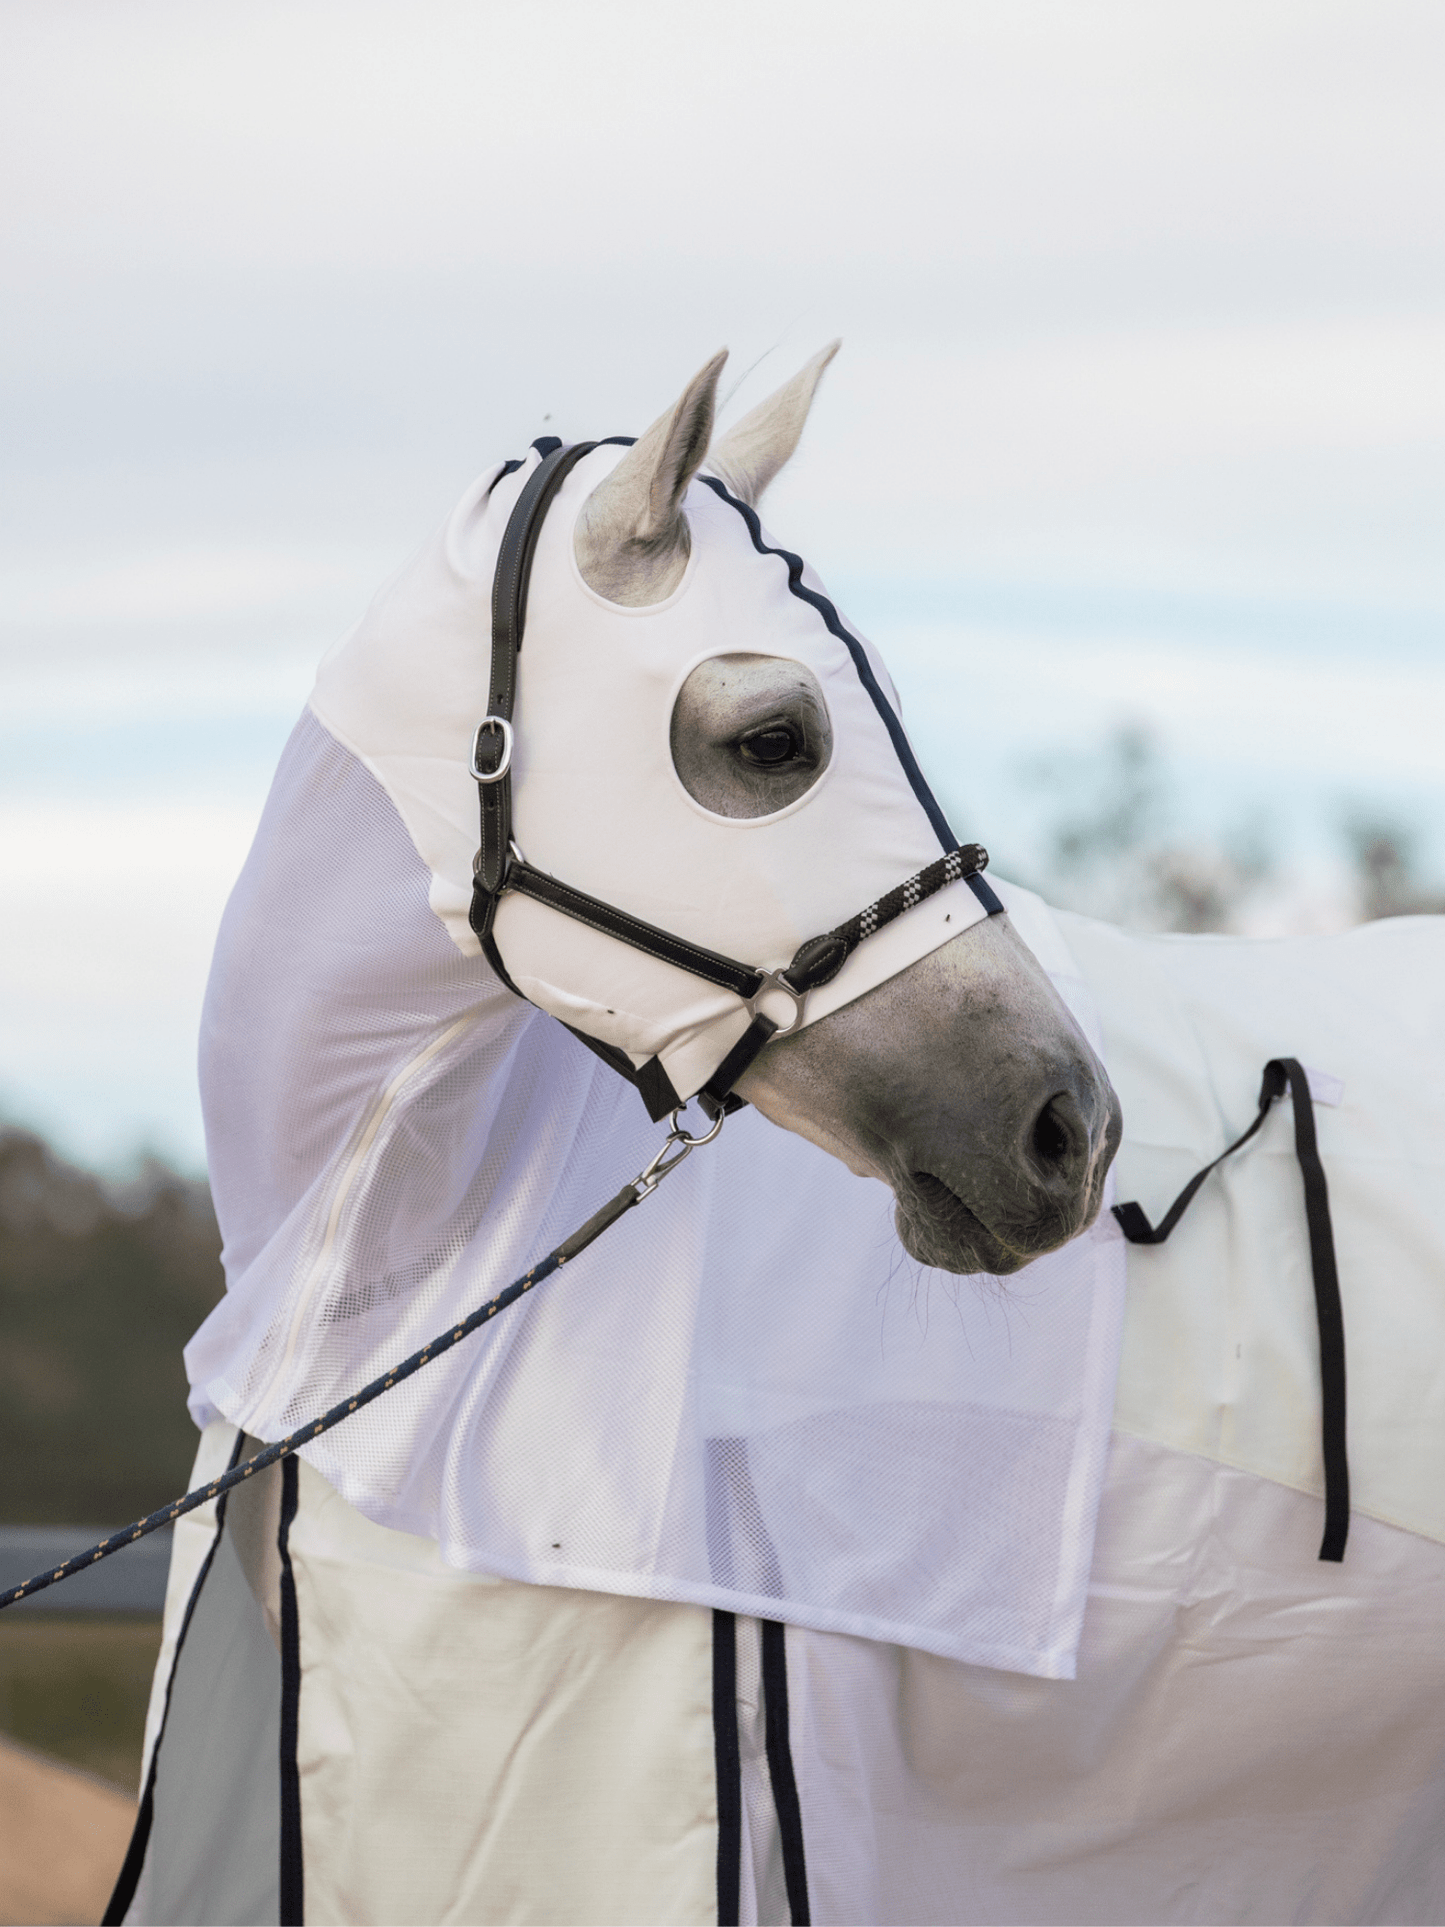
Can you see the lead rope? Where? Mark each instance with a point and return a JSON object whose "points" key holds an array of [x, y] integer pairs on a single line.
{"points": [[1279, 1072], [642, 1186]]}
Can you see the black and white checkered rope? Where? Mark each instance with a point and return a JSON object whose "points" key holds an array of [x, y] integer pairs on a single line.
{"points": [[630, 1195], [963, 862]]}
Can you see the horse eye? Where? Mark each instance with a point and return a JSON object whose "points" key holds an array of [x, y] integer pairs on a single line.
{"points": [[769, 747]]}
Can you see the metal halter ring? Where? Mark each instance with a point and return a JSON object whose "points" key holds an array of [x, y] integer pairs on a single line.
{"points": [[492, 723], [676, 1131], [775, 980]]}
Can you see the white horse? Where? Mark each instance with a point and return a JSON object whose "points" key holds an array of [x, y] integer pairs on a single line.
{"points": [[742, 1576]]}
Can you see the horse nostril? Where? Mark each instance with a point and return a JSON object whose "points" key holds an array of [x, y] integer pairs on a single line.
{"points": [[1053, 1140]]}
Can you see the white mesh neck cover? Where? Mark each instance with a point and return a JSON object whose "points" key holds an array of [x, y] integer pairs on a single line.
{"points": [[746, 1395], [596, 799]]}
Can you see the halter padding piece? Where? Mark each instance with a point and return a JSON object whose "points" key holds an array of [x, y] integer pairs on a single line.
{"points": [[683, 634], [820, 959]]}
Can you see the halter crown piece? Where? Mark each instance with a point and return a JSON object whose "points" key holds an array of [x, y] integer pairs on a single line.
{"points": [[712, 1045]]}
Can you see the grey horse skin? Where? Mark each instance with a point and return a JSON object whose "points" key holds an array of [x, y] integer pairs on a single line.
{"points": [[963, 1082]]}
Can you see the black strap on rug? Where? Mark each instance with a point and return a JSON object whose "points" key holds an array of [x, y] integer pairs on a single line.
{"points": [[786, 1803], [728, 1760], [1281, 1073]]}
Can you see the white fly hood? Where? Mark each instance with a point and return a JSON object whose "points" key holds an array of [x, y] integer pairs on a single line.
{"points": [[598, 801], [746, 1395]]}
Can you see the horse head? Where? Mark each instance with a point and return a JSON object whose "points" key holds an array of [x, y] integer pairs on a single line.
{"points": [[706, 845], [705, 746]]}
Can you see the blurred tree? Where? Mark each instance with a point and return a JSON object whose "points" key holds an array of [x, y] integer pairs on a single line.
{"points": [[1112, 853], [1386, 863], [99, 1290]]}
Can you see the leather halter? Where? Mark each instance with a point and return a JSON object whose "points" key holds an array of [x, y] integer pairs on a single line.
{"points": [[499, 865]]}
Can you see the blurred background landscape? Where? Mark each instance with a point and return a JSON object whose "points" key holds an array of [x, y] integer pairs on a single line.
{"points": [[1131, 462], [1133, 465]]}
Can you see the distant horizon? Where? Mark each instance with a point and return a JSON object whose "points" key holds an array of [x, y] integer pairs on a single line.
{"points": [[1138, 422]]}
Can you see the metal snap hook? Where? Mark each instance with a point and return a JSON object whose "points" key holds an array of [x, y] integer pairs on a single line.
{"points": [[647, 1181]]}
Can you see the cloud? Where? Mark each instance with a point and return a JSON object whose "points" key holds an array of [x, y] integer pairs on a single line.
{"points": [[1143, 326], [110, 911], [176, 585]]}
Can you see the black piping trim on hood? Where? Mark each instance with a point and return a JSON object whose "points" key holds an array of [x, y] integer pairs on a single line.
{"points": [[918, 782], [544, 446], [839, 628]]}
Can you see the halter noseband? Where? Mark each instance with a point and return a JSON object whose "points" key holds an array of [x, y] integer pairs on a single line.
{"points": [[500, 866]]}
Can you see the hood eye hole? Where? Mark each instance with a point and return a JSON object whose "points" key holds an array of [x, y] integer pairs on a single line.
{"points": [[770, 747], [749, 734]]}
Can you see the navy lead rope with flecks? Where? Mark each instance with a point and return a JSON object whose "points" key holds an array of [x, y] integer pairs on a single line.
{"points": [[631, 1194]]}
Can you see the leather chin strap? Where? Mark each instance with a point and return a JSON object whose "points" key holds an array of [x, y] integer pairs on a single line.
{"points": [[499, 866]]}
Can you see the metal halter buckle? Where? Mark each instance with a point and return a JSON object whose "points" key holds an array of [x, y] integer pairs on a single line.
{"points": [[775, 980], [492, 723]]}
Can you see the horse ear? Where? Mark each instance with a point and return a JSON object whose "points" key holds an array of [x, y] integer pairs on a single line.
{"points": [[754, 449], [631, 538]]}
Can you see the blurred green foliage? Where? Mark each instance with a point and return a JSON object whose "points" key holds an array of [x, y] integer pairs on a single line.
{"points": [[1115, 848], [100, 1287], [78, 1689]]}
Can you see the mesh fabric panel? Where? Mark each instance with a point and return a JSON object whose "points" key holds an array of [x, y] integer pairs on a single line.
{"points": [[746, 1395]]}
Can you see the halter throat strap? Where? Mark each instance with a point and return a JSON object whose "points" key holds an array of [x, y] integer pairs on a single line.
{"points": [[500, 867]]}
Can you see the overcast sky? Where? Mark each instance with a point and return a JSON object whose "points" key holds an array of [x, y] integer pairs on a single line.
{"points": [[1140, 412]]}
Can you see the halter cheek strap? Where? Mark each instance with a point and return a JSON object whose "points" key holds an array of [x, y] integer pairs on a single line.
{"points": [[499, 865], [491, 762]]}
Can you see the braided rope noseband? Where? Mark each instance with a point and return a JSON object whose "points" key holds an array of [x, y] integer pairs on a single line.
{"points": [[819, 960]]}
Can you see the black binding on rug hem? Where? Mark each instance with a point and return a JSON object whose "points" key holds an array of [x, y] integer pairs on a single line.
{"points": [[728, 1756], [128, 1879], [780, 1770], [293, 1889]]}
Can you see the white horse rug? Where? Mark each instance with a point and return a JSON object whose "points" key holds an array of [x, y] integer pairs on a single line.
{"points": [[746, 1571], [1251, 1736]]}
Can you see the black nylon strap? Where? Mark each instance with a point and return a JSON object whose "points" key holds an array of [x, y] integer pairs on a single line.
{"points": [[1328, 1311], [514, 569], [984, 890], [814, 963], [717, 1094], [1281, 1073], [1137, 1228]]}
